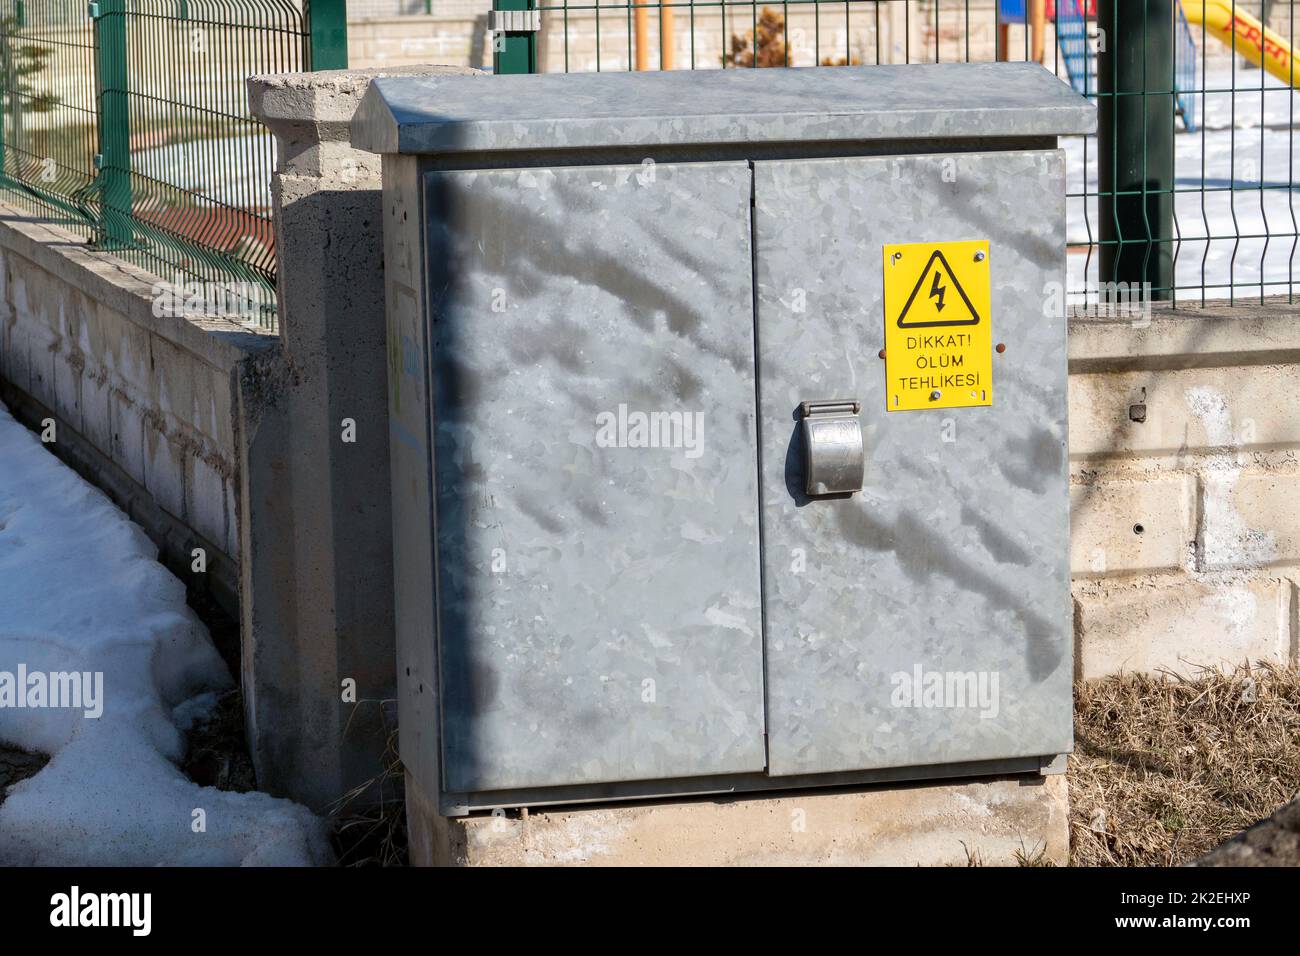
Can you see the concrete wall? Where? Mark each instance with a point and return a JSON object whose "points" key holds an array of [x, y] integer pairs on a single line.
{"points": [[214, 435], [454, 37], [145, 406], [270, 452], [1185, 488]]}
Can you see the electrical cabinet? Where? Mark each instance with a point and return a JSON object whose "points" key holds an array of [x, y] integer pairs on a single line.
{"points": [[728, 427]]}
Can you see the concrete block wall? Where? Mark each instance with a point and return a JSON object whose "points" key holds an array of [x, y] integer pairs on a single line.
{"points": [[1185, 489], [454, 37], [145, 406], [209, 434], [214, 435]]}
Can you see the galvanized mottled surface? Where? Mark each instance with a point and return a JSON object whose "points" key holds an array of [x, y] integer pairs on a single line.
{"points": [[599, 605], [953, 558], [410, 472], [421, 114]]}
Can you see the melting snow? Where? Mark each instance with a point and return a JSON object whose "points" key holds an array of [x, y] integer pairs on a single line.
{"points": [[81, 591]]}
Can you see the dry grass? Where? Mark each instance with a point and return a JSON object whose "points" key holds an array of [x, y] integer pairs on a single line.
{"points": [[1167, 768], [1035, 855], [368, 823], [216, 752]]}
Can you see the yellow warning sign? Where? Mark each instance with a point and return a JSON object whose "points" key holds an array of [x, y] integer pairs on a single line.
{"points": [[938, 345]]}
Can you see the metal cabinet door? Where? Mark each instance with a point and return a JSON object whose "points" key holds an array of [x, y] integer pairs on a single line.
{"points": [[591, 338], [926, 619]]}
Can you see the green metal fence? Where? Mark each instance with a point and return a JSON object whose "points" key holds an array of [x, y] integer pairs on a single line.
{"points": [[128, 121], [1187, 191]]}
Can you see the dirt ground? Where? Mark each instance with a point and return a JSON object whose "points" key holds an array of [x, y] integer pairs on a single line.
{"points": [[1166, 769], [16, 765]]}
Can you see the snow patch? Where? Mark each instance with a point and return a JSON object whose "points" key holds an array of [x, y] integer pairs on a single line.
{"points": [[81, 590], [1237, 233]]}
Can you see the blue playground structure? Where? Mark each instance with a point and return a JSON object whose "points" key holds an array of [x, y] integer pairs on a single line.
{"points": [[1072, 17]]}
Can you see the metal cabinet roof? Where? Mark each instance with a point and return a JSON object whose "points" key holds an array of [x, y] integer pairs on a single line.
{"points": [[457, 114]]}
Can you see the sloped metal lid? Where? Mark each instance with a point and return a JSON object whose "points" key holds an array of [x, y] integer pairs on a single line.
{"points": [[454, 114]]}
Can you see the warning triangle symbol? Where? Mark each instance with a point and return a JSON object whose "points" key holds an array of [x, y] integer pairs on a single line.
{"points": [[938, 299]]}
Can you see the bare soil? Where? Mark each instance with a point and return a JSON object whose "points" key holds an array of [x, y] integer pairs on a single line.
{"points": [[16, 765]]}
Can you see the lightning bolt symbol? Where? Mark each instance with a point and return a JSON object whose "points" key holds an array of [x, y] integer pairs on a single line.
{"points": [[936, 292]]}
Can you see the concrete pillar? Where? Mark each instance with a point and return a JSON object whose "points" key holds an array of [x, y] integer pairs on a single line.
{"points": [[316, 536]]}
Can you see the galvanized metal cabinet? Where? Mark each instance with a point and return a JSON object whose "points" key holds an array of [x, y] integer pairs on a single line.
{"points": [[953, 559], [587, 612], [598, 595]]}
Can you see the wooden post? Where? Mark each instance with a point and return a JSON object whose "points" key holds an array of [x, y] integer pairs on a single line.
{"points": [[665, 35], [641, 26], [1038, 24]]}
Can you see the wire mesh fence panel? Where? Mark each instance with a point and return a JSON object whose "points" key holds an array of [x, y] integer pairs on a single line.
{"points": [[131, 124], [1234, 220], [49, 122], [1205, 81], [198, 166], [155, 153]]}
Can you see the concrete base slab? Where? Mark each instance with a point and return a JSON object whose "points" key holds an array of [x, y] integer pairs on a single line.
{"points": [[933, 824]]}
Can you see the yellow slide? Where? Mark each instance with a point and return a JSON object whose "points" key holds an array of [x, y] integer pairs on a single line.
{"points": [[1253, 40]]}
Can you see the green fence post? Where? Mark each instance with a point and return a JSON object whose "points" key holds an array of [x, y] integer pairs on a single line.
{"points": [[514, 52], [4, 96], [113, 161], [1135, 143], [327, 35]]}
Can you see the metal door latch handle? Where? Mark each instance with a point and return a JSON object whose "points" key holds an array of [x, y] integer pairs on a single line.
{"points": [[833, 456]]}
